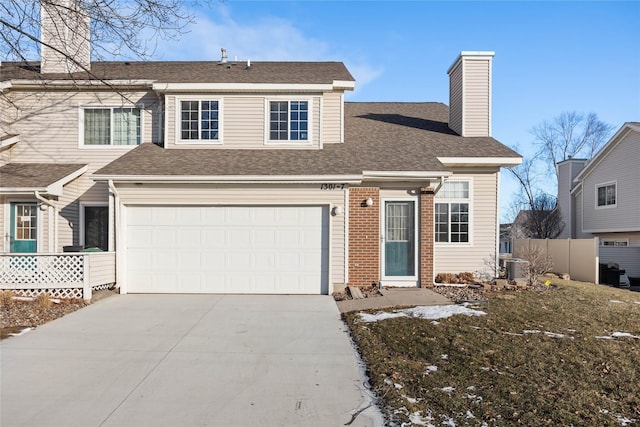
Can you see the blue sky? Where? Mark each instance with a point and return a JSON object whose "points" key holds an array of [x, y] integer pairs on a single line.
{"points": [[551, 57]]}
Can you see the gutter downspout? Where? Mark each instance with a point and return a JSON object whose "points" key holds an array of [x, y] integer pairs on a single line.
{"points": [[435, 190], [53, 218], [113, 241]]}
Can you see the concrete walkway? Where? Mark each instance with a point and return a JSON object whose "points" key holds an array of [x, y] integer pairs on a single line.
{"points": [[186, 360], [398, 297]]}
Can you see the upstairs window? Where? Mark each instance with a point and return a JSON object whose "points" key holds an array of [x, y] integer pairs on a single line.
{"points": [[606, 195], [288, 121], [112, 126], [200, 120], [452, 213]]}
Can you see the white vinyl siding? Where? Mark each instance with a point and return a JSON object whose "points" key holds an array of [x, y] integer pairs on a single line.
{"points": [[455, 99], [620, 165], [459, 257], [239, 195], [332, 112], [477, 94]]}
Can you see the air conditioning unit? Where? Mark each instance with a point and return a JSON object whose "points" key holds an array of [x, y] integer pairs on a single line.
{"points": [[517, 268]]}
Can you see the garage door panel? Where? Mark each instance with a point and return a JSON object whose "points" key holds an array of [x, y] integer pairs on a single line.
{"points": [[232, 249]]}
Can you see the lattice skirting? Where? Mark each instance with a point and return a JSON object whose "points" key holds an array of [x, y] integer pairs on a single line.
{"points": [[102, 287], [67, 293]]}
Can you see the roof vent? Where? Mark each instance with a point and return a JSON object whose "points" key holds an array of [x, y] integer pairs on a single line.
{"points": [[223, 59]]}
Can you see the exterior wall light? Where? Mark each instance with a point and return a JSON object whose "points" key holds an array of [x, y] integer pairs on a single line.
{"points": [[337, 210], [369, 201]]}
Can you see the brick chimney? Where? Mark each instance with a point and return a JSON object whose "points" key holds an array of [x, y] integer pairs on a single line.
{"points": [[64, 31], [470, 94]]}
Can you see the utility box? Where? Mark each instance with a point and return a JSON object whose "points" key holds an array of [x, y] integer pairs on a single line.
{"points": [[517, 268]]}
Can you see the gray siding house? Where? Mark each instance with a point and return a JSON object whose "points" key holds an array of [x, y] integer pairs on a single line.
{"points": [[601, 198], [234, 177]]}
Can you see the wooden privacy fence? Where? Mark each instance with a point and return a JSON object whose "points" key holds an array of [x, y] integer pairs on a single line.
{"points": [[578, 257], [68, 275]]}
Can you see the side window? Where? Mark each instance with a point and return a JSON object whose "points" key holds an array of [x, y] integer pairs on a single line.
{"points": [[452, 221]]}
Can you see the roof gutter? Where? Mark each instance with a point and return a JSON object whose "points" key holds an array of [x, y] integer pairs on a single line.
{"points": [[230, 179], [404, 175], [93, 83]]}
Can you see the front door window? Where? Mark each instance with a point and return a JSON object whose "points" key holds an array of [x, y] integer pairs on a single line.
{"points": [[24, 227], [399, 247]]}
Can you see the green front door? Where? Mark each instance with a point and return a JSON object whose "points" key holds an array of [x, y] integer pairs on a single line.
{"points": [[399, 245], [24, 227]]}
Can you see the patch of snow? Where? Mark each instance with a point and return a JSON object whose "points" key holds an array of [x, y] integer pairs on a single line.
{"points": [[572, 330], [484, 424], [513, 333], [555, 335], [435, 322], [624, 421], [448, 389], [430, 369], [636, 302], [615, 301], [605, 338], [475, 327], [411, 399], [471, 387], [417, 419], [24, 331], [423, 312], [444, 356], [484, 368], [474, 397], [448, 422], [387, 381], [470, 415], [531, 331], [623, 334]]}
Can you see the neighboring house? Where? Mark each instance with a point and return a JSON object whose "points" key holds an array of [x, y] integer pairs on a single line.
{"points": [[506, 239], [601, 198], [238, 177]]}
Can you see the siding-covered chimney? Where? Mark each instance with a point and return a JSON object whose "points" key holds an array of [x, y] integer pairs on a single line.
{"points": [[470, 94], [64, 31], [567, 171]]}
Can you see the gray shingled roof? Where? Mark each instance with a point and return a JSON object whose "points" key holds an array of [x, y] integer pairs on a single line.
{"points": [[378, 137], [192, 72], [34, 175]]}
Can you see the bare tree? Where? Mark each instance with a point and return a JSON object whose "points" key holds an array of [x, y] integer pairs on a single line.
{"points": [[570, 134], [118, 28], [535, 211]]}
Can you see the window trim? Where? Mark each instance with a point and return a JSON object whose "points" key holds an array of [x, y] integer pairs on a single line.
{"points": [[81, 216], [469, 201], [111, 146], [288, 142], [625, 242], [606, 184], [178, 120]]}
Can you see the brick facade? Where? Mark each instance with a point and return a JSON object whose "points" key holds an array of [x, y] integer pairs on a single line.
{"points": [[364, 236], [426, 237]]}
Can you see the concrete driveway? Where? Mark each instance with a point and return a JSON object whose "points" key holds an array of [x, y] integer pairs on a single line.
{"points": [[186, 360]]}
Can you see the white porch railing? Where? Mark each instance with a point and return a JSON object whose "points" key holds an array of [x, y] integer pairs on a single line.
{"points": [[67, 275]]}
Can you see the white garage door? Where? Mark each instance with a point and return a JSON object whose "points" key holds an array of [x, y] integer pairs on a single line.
{"points": [[227, 249]]}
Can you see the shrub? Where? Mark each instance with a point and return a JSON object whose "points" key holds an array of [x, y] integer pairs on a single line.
{"points": [[6, 298], [42, 301], [446, 278], [466, 277]]}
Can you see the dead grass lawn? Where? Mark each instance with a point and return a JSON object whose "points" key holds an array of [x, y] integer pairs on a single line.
{"points": [[536, 358]]}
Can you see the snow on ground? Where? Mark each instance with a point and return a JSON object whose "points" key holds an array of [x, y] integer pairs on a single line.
{"points": [[547, 333], [624, 421], [430, 369], [423, 312], [448, 389], [444, 356], [618, 335], [417, 419], [615, 301]]}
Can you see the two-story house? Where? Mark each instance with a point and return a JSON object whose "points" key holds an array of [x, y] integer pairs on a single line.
{"points": [[601, 198], [248, 177]]}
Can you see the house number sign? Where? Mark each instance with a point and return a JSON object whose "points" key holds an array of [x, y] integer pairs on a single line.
{"points": [[333, 186]]}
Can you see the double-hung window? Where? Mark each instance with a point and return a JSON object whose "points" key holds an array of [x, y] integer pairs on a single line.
{"points": [[200, 120], [111, 126], [452, 219], [288, 121], [606, 195]]}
